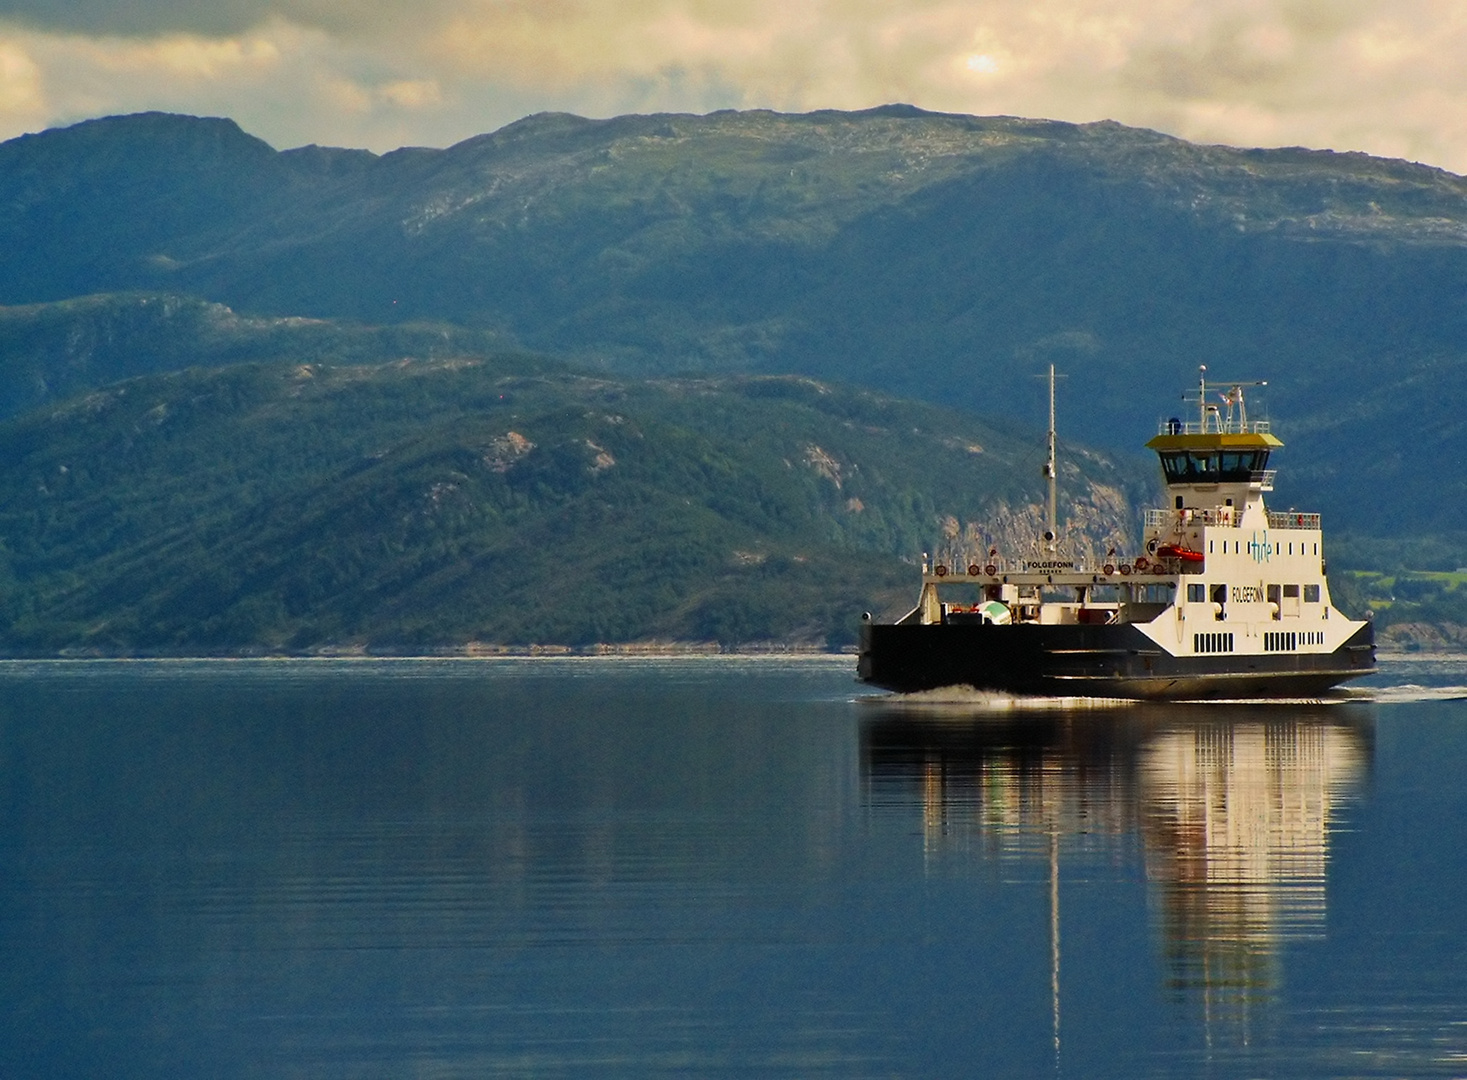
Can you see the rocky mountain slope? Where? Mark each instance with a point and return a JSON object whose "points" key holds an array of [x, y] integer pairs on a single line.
{"points": [[943, 257]]}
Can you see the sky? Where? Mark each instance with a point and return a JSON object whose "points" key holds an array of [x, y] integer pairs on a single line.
{"points": [[1387, 77]]}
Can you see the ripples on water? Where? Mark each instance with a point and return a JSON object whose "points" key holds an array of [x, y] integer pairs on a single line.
{"points": [[724, 866]]}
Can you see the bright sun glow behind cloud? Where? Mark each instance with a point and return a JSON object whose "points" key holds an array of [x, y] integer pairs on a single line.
{"points": [[1348, 74]]}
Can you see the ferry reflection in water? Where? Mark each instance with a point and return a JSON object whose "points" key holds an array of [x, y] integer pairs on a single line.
{"points": [[1232, 805]]}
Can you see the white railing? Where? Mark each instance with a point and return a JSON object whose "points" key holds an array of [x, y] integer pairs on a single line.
{"points": [[1159, 519], [1215, 425], [1292, 520]]}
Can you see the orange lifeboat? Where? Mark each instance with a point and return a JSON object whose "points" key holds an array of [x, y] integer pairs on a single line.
{"points": [[1175, 551]]}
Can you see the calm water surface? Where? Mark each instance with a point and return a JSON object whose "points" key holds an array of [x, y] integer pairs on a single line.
{"points": [[719, 868]]}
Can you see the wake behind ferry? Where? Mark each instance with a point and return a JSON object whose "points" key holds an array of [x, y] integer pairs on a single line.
{"points": [[1227, 599]]}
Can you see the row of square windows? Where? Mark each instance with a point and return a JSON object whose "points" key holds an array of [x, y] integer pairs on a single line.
{"points": [[1197, 593]]}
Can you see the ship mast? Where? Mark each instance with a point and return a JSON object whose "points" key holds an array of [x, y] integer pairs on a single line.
{"points": [[1051, 532]]}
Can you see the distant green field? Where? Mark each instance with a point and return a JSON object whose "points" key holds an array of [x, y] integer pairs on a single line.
{"points": [[1404, 595]]}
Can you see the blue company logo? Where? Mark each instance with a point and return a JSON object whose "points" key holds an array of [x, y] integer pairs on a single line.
{"points": [[1260, 549]]}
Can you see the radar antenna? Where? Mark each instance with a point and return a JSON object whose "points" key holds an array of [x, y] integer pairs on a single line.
{"points": [[1210, 415]]}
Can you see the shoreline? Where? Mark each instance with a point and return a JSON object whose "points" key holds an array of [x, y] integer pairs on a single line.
{"points": [[469, 651]]}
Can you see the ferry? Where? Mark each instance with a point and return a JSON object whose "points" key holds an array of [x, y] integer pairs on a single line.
{"points": [[1225, 599]]}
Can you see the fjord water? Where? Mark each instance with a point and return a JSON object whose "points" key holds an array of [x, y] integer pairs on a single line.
{"points": [[718, 867]]}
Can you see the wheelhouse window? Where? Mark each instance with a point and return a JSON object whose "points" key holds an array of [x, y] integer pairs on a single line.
{"points": [[1212, 466]]}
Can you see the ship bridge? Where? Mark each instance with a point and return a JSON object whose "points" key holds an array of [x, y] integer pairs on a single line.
{"points": [[1215, 457], [1220, 459]]}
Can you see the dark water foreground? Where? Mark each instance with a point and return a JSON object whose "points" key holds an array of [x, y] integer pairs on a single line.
{"points": [[718, 868]]}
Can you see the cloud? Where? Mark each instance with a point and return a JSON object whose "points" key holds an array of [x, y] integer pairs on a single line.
{"points": [[136, 18], [20, 83], [1377, 75]]}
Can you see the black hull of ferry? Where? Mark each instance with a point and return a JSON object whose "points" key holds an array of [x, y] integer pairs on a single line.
{"points": [[1092, 661]]}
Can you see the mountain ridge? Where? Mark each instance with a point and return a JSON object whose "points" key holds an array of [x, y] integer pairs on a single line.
{"points": [[934, 256]]}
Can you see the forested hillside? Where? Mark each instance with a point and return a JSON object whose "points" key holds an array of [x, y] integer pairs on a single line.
{"points": [[53, 351], [267, 400], [941, 257], [428, 504]]}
